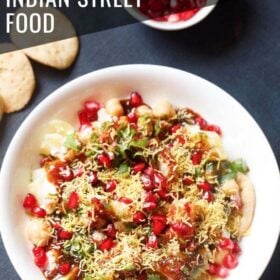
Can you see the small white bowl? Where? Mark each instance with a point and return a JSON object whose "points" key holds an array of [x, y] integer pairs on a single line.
{"points": [[173, 26], [242, 138]]}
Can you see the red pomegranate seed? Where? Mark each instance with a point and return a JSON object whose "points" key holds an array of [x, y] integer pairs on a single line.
{"points": [[150, 206], [187, 180], [135, 99], [104, 160], [158, 217], [188, 208], [152, 242], [236, 248], [214, 128], [163, 194], [226, 243], [98, 206], [150, 202], [183, 229], [139, 217], [29, 201], [56, 226], [38, 251], [196, 158], [107, 244], [44, 161], [230, 261], [160, 180], [187, 14], [132, 117], [158, 226], [218, 270], [78, 172], [41, 260], [142, 276], [92, 177], [149, 171], [147, 182], [73, 201], [64, 234], [83, 118], [91, 108], [206, 187], [38, 212], [208, 196], [64, 268], [110, 186], [175, 128], [201, 122], [111, 231], [181, 139], [138, 167], [125, 200], [65, 173]]}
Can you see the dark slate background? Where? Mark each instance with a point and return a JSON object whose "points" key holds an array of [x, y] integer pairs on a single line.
{"points": [[237, 47]]}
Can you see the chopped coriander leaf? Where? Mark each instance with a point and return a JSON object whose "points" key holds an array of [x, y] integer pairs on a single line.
{"points": [[153, 277], [141, 143], [124, 168], [239, 165], [72, 143]]}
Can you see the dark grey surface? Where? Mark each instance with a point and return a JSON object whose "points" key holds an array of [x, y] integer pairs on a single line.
{"points": [[237, 47]]}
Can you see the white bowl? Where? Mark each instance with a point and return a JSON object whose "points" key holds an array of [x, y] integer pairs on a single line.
{"points": [[242, 138], [173, 26]]}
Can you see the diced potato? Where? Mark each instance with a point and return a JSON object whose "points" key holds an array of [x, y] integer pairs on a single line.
{"points": [[248, 199], [143, 110], [53, 144], [59, 127], [230, 187], [39, 232], [114, 107], [163, 109], [44, 191]]}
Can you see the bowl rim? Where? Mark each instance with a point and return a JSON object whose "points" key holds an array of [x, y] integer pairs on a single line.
{"points": [[173, 26], [78, 82]]}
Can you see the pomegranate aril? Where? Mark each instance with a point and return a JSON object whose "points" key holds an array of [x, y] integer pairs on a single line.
{"points": [[142, 276], [214, 128], [132, 117], [38, 212], [230, 261], [91, 108], [181, 139], [147, 182], [196, 158], [125, 200], [236, 248], [83, 118], [38, 251], [64, 268], [159, 217], [201, 122], [158, 226], [160, 180], [110, 186], [163, 194], [98, 205], [183, 229], [92, 177], [175, 128], [139, 217], [64, 234], [138, 167], [218, 270], [206, 187], [187, 180], [208, 196], [30, 201], [135, 99], [150, 171], [73, 201], [226, 243], [107, 244], [104, 160], [152, 242], [66, 174], [111, 231], [41, 260], [150, 206]]}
